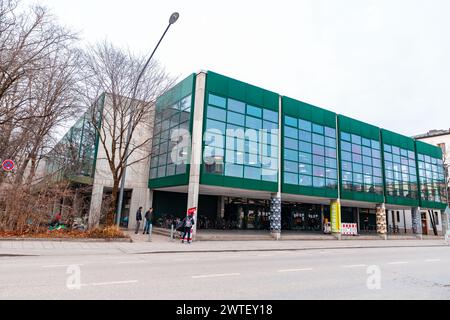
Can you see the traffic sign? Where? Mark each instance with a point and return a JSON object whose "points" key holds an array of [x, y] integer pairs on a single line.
{"points": [[8, 165]]}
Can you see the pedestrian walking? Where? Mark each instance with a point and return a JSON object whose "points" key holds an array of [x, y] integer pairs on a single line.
{"points": [[188, 222], [138, 219], [148, 220]]}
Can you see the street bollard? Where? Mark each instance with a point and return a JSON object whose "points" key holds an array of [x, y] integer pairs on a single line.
{"points": [[150, 232], [171, 233]]}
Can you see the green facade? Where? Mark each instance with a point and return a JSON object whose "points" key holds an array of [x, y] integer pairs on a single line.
{"points": [[360, 161], [74, 157], [309, 150], [173, 123], [233, 107], [320, 150], [400, 169], [430, 169]]}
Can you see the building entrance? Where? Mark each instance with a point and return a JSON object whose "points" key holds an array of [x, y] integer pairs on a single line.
{"points": [[246, 214], [303, 217]]}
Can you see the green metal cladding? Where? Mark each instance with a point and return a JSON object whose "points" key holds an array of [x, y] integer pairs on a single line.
{"points": [[400, 141], [227, 88], [231, 88], [183, 89], [365, 131], [433, 152], [364, 146], [315, 115]]}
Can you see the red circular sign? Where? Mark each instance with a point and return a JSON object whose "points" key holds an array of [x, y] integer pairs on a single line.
{"points": [[8, 165]]}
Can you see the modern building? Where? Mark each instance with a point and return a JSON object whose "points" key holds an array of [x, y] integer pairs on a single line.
{"points": [[249, 158]]}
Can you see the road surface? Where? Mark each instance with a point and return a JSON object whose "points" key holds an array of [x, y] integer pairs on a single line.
{"points": [[353, 273]]}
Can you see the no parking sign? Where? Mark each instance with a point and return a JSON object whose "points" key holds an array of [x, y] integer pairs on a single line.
{"points": [[8, 165]]}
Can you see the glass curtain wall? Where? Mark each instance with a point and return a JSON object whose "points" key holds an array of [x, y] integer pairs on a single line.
{"points": [[432, 178], [361, 164], [241, 140], [401, 172], [169, 155], [309, 154]]}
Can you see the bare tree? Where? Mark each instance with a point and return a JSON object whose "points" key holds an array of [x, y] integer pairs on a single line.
{"points": [[37, 83], [113, 72]]}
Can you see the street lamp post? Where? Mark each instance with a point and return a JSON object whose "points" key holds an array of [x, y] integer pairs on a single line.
{"points": [[173, 18]]}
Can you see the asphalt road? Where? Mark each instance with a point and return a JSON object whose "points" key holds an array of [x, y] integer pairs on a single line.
{"points": [[370, 273]]}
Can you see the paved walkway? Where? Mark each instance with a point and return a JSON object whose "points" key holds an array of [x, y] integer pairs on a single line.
{"points": [[162, 244]]}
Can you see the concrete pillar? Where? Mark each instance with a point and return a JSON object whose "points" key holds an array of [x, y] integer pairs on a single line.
{"points": [[322, 214], [139, 198], [196, 147], [96, 206], [381, 220], [445, 222], [220, 208], [275, 216], [335, 217], [416, 221], [357, 221]]}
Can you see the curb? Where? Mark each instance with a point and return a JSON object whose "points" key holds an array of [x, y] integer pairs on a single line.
{"points": [[67, 239], [285, 249]]}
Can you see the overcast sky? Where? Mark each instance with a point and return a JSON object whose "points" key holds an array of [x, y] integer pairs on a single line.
{"points": [[386, 62]]}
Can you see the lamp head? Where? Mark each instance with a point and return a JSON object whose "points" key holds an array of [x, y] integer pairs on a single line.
{"points": [[174, 17]]}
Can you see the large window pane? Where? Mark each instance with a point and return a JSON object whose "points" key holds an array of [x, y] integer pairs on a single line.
{"points": [[304, 125], [236, 118], [213, 113], [236, 106], [233, 170], [217, 101], [270, 115]]}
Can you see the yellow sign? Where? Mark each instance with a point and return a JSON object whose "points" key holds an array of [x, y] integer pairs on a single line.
{"points": [[335, 217]]}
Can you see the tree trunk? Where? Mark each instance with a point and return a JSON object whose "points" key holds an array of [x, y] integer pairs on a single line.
{"points": [[111, 213]]}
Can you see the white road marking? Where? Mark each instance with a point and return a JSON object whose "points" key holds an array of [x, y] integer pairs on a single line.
{"points": [[110, 283], [131, 262], [432, 260], [296, 270], [354, 266], [265, 255], [216, 275], [398, 262], [62, 265]]}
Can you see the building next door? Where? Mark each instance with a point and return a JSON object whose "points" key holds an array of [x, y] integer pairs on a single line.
{"points": [[424, 223]]}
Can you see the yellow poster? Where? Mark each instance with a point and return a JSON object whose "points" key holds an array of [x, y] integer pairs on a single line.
{"points": [[335, 217]]}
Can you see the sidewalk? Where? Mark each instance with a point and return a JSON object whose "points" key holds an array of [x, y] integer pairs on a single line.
{"points": [[162, 244]]}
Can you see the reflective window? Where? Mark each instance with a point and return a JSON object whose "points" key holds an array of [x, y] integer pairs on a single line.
{"points": [[398, 182], [217, 101], [248, 152], [176, 118], [359, 163], [316, 159]]}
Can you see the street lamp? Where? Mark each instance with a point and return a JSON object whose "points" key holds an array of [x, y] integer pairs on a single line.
{"points": [[173, 18]]}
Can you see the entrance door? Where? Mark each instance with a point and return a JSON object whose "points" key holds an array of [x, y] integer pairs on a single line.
{"points": [[424, 223]]}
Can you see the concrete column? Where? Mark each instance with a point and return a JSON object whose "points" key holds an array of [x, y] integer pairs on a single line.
{"points": [[220, 208], [196, 147], [335, 217], [357, 220], [416, 221], [322, 213], [445, 222], [381, 220], [275, 216], [96, 206], [139, 198]]}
